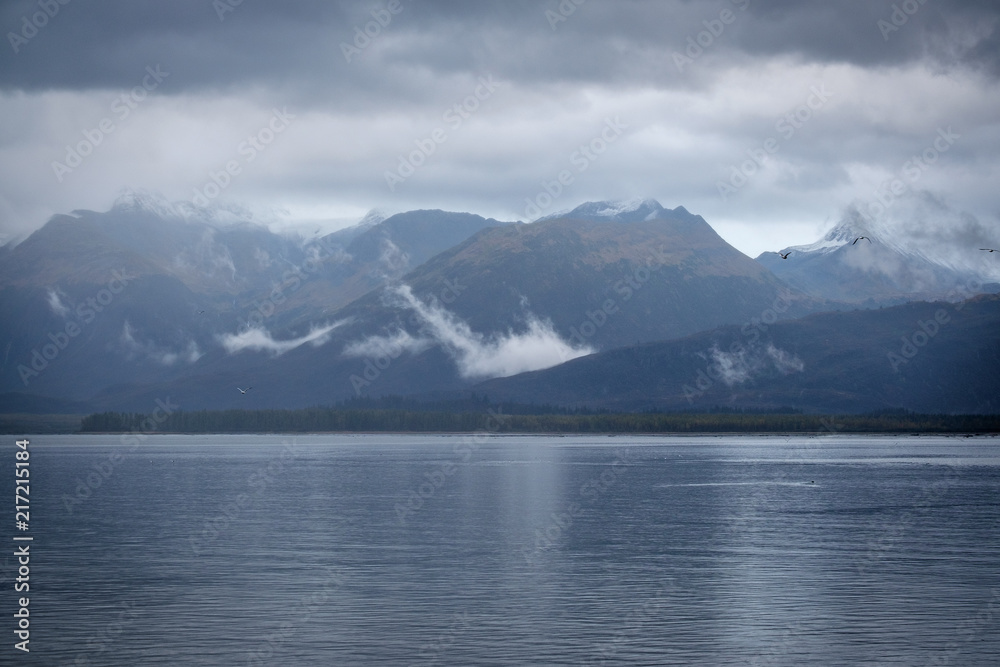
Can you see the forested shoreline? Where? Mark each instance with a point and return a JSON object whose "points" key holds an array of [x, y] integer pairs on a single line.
{"points": [[497, 420]]}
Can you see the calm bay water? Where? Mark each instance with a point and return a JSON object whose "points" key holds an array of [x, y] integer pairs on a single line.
{"points": [[461, 550]]}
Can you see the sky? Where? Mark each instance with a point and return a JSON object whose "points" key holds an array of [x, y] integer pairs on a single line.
{"points": [[770, 118]]}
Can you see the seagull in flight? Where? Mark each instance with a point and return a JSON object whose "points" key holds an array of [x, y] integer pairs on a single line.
{"points": [[243, 391], [862, 237], [989, 249], [785, 256]]}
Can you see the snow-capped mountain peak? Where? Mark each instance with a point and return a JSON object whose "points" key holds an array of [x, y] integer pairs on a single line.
{"points": [[218, 214], [616, 210], [143, 201], [852, 226], [627, 210], [873, 261], [373, 217]]}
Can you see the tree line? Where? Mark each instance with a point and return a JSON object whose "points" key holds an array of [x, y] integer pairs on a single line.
{"points": [[500, 419]]}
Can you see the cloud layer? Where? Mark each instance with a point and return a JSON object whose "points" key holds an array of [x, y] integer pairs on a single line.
{"points": [[701, 85]]}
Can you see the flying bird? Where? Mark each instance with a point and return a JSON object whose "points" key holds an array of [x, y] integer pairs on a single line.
{"points": [[243, 391], [785, 256], [862, 237], [989, 249]]}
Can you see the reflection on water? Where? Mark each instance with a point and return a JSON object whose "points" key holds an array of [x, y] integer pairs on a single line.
{"points": [[447, 550]]}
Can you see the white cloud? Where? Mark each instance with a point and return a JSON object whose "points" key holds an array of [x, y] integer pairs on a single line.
{"points": [[262, 257], [733, 367], [388, 346], [163, 356], [392, 259], [189, 355], [785, 362], [56, 304], [475, 355], [260, 339], [738, 367]]}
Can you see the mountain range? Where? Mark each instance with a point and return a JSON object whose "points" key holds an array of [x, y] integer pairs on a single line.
{"points": [[861, 262], [611, 304]]}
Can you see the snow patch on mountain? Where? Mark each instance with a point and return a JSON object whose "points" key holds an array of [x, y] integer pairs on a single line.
{"points": [[624, 210], [144, 201], [374, 217], [218, 214], [852, 225]]}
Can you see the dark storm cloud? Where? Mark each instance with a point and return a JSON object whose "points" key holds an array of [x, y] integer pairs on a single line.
{"points": [[101, 44], [867, 33], [296, 45]]}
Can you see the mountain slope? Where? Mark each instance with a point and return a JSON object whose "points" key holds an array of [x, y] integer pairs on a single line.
{"points": [[926, 357], [386, 251], [604, 283], [186, 280]]}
